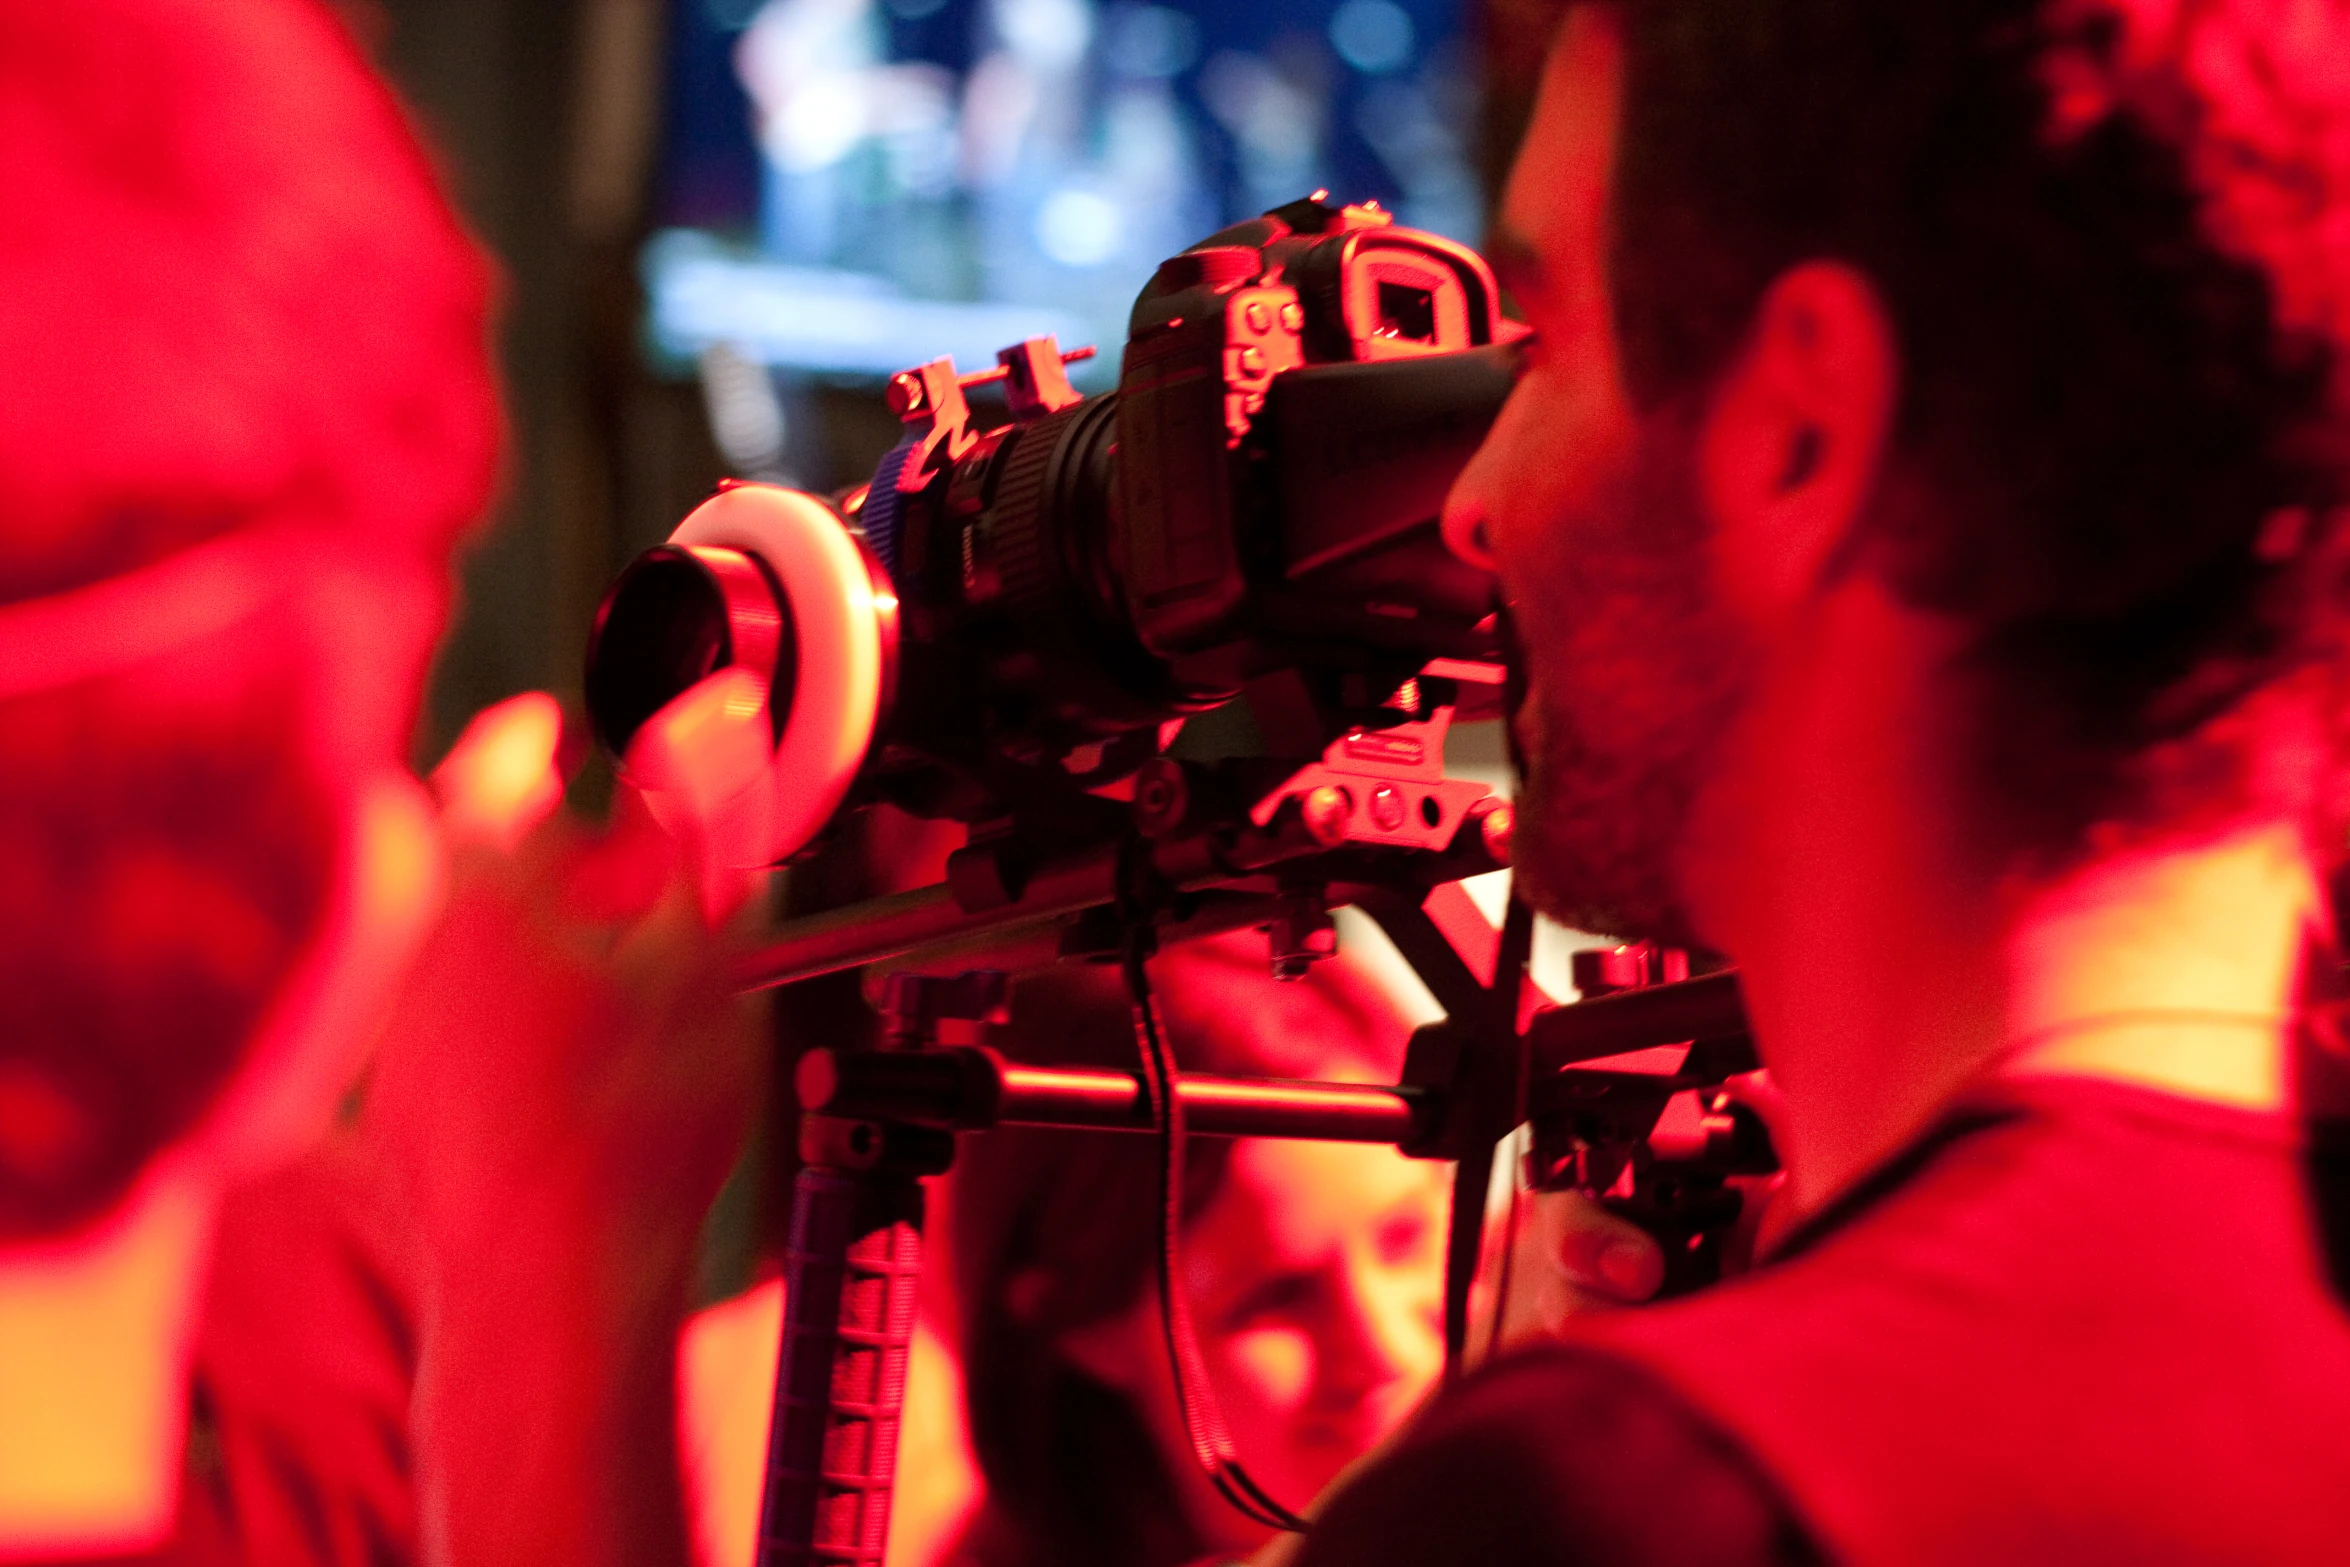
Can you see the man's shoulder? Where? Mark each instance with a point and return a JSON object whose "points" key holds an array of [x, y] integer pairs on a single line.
{"points": [[1560, 1455], [2126, 1289]]}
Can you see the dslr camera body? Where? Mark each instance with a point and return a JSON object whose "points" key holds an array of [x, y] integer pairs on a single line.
{"points": [[1010, 621]]}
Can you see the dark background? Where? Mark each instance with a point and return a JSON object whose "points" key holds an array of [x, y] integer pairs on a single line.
{"points": [[547, 117]]}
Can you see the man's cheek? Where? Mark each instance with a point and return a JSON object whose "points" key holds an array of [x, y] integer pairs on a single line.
{"points": [[1538, 466]]}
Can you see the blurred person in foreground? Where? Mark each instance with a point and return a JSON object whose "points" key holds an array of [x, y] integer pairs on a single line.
{"points": [[1922, 514], [248, 410]]}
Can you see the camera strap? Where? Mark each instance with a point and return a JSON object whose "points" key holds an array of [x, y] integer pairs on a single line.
{"points": [[1195, 1393]]}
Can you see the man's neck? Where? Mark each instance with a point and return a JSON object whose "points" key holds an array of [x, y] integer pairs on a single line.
{"points": [[95, 1338], [2173, 966], [1884, 974]]}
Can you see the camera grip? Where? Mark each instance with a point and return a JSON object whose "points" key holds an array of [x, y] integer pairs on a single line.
{"points": [[851, 1276]]}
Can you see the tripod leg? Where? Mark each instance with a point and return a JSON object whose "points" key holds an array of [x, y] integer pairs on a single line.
{"points": [[850, 1280]]}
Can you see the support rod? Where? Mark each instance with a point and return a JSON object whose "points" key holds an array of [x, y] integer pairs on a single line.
{"points": [[879, 929], [1218, 1106], [904, 922], [967, 1089]]}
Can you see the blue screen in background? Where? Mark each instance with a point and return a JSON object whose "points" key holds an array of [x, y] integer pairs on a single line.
{"points": [[850, 187]]}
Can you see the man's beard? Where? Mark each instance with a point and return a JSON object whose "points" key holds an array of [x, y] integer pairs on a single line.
{"points": [[1634, 674]]}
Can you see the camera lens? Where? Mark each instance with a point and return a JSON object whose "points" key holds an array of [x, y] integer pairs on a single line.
{"points": [[1041, 639], [678, 615]]}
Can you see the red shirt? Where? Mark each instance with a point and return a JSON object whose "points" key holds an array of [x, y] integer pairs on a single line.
{"points": [[2077, 1322]]}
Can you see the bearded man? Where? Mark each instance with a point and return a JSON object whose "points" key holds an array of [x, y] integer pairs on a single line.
{"points": [[1922, 511]]}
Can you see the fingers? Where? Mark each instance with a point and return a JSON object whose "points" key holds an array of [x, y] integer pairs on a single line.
{"points": [[1603, 1254], [500, 792], [502, 778], [1571, 1256], [625, 873]]}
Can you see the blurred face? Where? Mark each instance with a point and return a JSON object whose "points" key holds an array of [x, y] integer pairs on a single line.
{"points": [[363, 637], [1587, 509], [1314, 1271], [215, 860], [1317, 1279]]}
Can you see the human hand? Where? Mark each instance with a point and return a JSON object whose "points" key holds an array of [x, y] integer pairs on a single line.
{"points": [[1568, 1256], [560, 1093], [566, 1046], [566, 1049]]}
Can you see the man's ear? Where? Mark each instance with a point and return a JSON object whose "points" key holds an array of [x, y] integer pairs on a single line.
{"points": [[1790, 447]]}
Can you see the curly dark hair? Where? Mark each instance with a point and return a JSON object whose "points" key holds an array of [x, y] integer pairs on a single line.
{"points": [[2115, 458]]}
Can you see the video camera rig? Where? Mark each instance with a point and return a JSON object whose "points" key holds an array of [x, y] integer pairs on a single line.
{"points": [[1183, 658]]}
